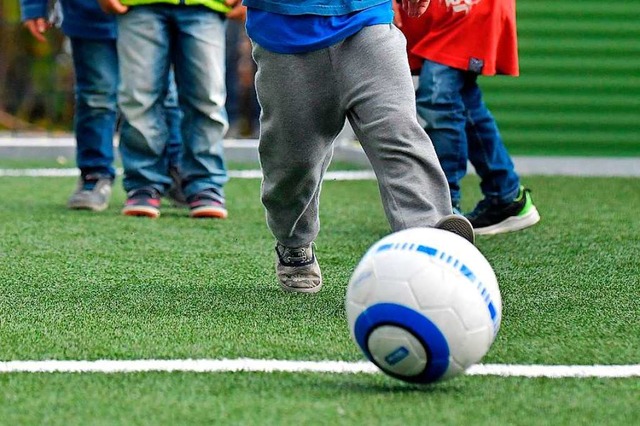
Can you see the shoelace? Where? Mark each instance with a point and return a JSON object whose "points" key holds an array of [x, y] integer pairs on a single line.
{"points": [[295, 256]]}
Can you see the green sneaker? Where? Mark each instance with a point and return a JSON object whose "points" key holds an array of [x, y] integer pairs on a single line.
{"points": [[489, 218]]}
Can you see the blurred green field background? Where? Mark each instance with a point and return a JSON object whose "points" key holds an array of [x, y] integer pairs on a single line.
{"points": [[579, 88]]}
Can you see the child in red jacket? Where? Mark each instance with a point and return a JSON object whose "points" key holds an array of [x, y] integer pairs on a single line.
{"points": [[449, 46]]}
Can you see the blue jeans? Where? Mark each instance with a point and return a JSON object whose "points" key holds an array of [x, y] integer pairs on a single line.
{"points": [[95, 64], [174, 119], [152, 38], [449, 101]]}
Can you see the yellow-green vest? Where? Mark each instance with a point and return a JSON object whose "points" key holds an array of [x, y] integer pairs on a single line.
{"points": [[217, 5]]}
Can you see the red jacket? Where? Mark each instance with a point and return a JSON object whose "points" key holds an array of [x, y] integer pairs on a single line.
{"points": [[471, 35]]}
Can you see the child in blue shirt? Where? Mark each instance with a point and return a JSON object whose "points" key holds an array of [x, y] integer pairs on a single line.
{"points": [[321, 62]]}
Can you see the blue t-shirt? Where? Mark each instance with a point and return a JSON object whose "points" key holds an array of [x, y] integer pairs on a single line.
{"points": [[292, 34]]}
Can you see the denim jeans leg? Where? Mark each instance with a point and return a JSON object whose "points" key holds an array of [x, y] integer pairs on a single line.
{"points": [[173, 116], [200, 75], [143, 50], [96, 81], [440, 107], [487, 152]]}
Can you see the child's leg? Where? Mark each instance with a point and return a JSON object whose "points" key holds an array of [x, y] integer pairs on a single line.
{"points": [[200, 75], [96, 70], [377, 90], [173, 115], [487, 153], [440, 107], [144, 133], [300, 119]]}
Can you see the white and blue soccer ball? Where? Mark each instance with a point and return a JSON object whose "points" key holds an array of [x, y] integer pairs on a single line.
{"points": [[423, 305]]}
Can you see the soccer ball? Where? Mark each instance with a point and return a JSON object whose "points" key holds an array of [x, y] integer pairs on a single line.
{"points": [[423, 305]]}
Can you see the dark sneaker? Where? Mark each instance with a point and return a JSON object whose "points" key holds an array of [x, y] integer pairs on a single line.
{"points": [[207, 204], [92, 193], [489, 218], [457, 224], [143, 201], [174, 193], [297, 269]]}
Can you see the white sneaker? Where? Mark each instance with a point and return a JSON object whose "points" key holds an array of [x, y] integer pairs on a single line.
{"points": [[459, 225], [92, 193], [297, 269]]}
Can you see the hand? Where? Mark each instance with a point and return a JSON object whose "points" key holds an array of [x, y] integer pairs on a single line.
{"points": [[238, 11], [397, 19], [415, 8], [37, 27], [113, 6]]}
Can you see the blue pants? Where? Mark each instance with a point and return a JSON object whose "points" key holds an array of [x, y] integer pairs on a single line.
{"points": [[151, 39], [462, 129], [96, 71], [95, 64]]}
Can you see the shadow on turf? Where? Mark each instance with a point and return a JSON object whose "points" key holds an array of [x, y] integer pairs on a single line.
{"points": [[380, 383]]}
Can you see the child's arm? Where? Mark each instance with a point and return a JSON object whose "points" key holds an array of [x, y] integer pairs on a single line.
{"points": [[238, 11], [34, 18]]}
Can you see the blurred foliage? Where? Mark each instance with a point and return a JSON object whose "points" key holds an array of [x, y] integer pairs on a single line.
{"points": [[36, 79]]}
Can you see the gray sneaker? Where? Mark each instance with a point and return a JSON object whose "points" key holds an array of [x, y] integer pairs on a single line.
{"points": [[92, 193], [297, 269], [457, 224]]}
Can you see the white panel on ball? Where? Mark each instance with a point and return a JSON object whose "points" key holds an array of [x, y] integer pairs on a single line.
{"points": [[423, 304]]}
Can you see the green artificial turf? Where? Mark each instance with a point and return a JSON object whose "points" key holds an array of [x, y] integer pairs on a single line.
{"points": [[79, 285], [311, 399]]}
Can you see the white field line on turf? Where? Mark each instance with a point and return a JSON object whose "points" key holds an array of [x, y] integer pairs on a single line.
{"points": [[268, 366], [242, 174]]}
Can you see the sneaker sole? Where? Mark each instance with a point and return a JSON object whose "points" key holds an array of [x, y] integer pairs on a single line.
{"points": [[141, 212], [208, 212], [88, 206], [288, 274], [307, 290], [459, 225], [511, 224]]}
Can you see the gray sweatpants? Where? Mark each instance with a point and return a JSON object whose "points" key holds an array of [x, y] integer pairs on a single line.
{"points": [[305, 99]]}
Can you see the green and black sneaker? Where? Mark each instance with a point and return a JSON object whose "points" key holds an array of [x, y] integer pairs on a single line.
{"points": [[490, 218]]}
